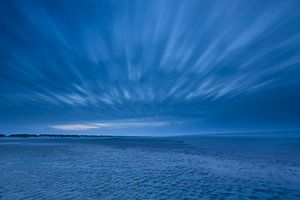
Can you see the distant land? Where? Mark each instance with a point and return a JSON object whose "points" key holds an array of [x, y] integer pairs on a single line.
{"points": [[281, 133], [48, 135]]}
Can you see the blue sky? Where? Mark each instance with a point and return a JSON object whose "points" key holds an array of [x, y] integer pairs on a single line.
{"points": [[149, 67]]}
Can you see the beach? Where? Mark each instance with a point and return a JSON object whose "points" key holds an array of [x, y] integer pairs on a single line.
{"points": [[190, 167]]}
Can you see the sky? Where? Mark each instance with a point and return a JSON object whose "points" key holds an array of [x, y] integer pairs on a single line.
{"points": [[151, 67]]}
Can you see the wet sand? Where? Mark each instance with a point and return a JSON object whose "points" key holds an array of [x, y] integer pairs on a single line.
{"points": [[195, 167]]}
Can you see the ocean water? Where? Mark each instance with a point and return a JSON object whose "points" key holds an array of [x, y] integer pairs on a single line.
{"points": [[202, 167]]}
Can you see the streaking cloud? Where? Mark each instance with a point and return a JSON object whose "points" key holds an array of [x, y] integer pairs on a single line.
{"points": [[75, 127], [112, 125], [213, 63]]}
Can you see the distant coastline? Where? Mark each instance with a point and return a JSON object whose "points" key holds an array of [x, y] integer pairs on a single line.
{"points": [[48, 135]]}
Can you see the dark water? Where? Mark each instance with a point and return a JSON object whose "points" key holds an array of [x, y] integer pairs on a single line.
{"points": [[203, 167]]}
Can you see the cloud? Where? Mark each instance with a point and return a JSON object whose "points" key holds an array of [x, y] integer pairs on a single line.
{"points": [[133, 124], [119, 62], [111, 125], [74, 127]]}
